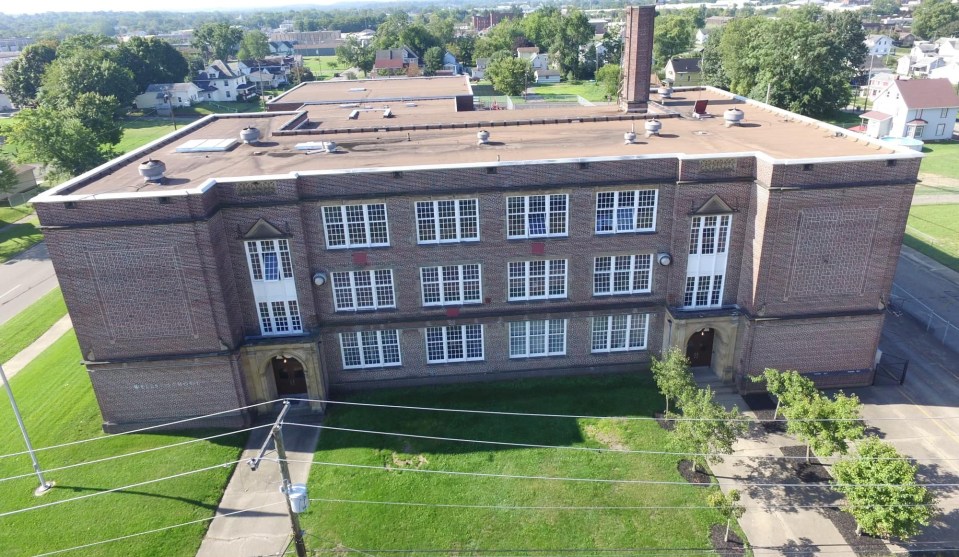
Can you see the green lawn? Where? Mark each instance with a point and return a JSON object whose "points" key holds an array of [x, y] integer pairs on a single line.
{"points": [[27, 326], [589, 91], [364, 527], [932, 230], [324, 66], [17, 237], [13, 214], [941, 159], [58, 406], [137, 133]]}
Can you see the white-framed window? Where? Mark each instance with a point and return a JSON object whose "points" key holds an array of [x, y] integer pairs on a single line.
{"points": [[940, 129], [457, 343], [448, 220], [709, 235], [537, 216], [622, 274], [703, 291], [370, 349], [943, 113], [531, 339], [919, 131], [357, 290], [620, 333], [269, 260], [626, 211], [537, 280], [451, 284], [356, 226], [279, 317]]}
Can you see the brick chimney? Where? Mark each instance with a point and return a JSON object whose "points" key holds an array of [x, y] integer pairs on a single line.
{"points": [[637, 63]]}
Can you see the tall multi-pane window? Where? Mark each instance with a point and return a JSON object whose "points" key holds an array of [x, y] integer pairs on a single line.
{"points": [[619, 333], [451, 284], [274, 290], [536, 216], [709, 235], [537, 280], [626, 211], [457, 343], [355, 226], [370, 349], [622, 274], [448, 220], [703, 291], [531, 339], [357, 290]]}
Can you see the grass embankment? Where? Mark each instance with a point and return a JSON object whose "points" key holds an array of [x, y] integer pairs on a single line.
{"points": [[323, 67], [16, 238], [941, 159], [595, 92], [28, 325], [375, 527], [58, 406], [933, 231], [10, 215], [137, 133]]}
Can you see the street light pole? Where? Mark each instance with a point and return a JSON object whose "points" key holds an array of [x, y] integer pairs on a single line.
{"points": [[44, 485], [169, 98]]}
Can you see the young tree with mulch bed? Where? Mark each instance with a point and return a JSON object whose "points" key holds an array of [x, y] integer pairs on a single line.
{"points": [[707, 428], [882, 493], [826, 425], [728, 506], [786, 386], [673, 377]]}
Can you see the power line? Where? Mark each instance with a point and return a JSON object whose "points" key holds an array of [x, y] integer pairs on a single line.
{"points": [[155, 530], [833, 549], [627, 418], [600, 480], [115, 489], [575, 448], [135, 453], [140, 430]]}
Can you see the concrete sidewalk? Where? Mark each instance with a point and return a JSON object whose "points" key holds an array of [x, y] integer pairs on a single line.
{"points": [[25, 356], [265, 531]]}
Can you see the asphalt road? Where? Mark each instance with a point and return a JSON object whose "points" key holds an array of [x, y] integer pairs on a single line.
{"points": [[929, 292], [24, 279]]}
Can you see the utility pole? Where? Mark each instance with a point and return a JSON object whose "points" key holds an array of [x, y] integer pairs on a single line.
{"points": [[44, 485], [276, 433]]}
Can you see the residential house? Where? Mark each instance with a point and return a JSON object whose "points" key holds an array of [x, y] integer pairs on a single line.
{"points": [[26, 181], [871, 66], [6, 105], [908, 66], [683, 71], [539, 61], [879, 82], [950, 71], [162, 96], [948, 48], [225, 82], [921, 49], [546, 76], [906, 40], [451, 64], [701, 37], [879, 45], [917, 108], [387, 59], [479, 72], [281, 48]]}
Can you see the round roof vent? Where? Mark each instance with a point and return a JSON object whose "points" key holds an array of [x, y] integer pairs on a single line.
{"points": [[249, 134], [152, 170]]}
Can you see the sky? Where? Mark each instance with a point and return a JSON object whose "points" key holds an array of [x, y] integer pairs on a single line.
{"points": [[38, 6]]}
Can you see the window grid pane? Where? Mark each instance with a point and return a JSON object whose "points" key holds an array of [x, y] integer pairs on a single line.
{"points": [[536, 280], [531, 339], [709, 235], [370, 349], [460, 343], [280, 320], [622, 274], [453, 220], [626, 211], [266, 323], [537, 216], [356, 226], [451, 284], [355, 290], [620, 333]]}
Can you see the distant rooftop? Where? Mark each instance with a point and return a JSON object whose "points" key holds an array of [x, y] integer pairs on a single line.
{"points": [[372, 90]]}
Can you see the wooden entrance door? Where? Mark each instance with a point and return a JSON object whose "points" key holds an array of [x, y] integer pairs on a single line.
{"points": [[290, 376], [699, 348]]}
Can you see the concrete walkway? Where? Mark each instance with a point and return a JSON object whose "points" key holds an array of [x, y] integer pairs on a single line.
{"points": [[27, 355], [265, 531]]}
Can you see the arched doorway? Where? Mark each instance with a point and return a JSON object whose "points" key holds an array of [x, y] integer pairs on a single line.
{"points": [[699, 348], [289, 376]]}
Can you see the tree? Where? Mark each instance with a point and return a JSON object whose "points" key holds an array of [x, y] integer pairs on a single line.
{"points": [[8, 174], [508, 74], [58, 139], [418, 38], [75, 44], [21, 79], [609, 76], [788, 387], [672, 375], [711, 63], [727, 505], [707, 429], [612, 48], [505, 36], [825, 425], [88, 71], [152, 60], [929, 19], [432, 60], [881, 491], [674, 34], [254, 46], [217, 40], [885, 7], [354, 53], [463, 48]]}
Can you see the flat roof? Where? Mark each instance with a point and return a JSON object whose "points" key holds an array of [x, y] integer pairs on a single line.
{"points": [[365, 90], [432, 133]]}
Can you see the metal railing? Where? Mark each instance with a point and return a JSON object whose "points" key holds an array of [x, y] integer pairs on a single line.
{"points": [[944, 330]]}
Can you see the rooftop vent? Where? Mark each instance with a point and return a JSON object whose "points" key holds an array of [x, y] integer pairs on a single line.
{"points": [[733, 117], [152, 170], [652, 127], [206, 145], [629, 138], [249, 135], [482, 137], [666, 92]]}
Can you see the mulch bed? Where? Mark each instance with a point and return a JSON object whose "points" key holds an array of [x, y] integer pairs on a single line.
{"points": [[733, 547], [664, 423], [688, 470], [807, 472], [764, 407], [863, 545]]}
